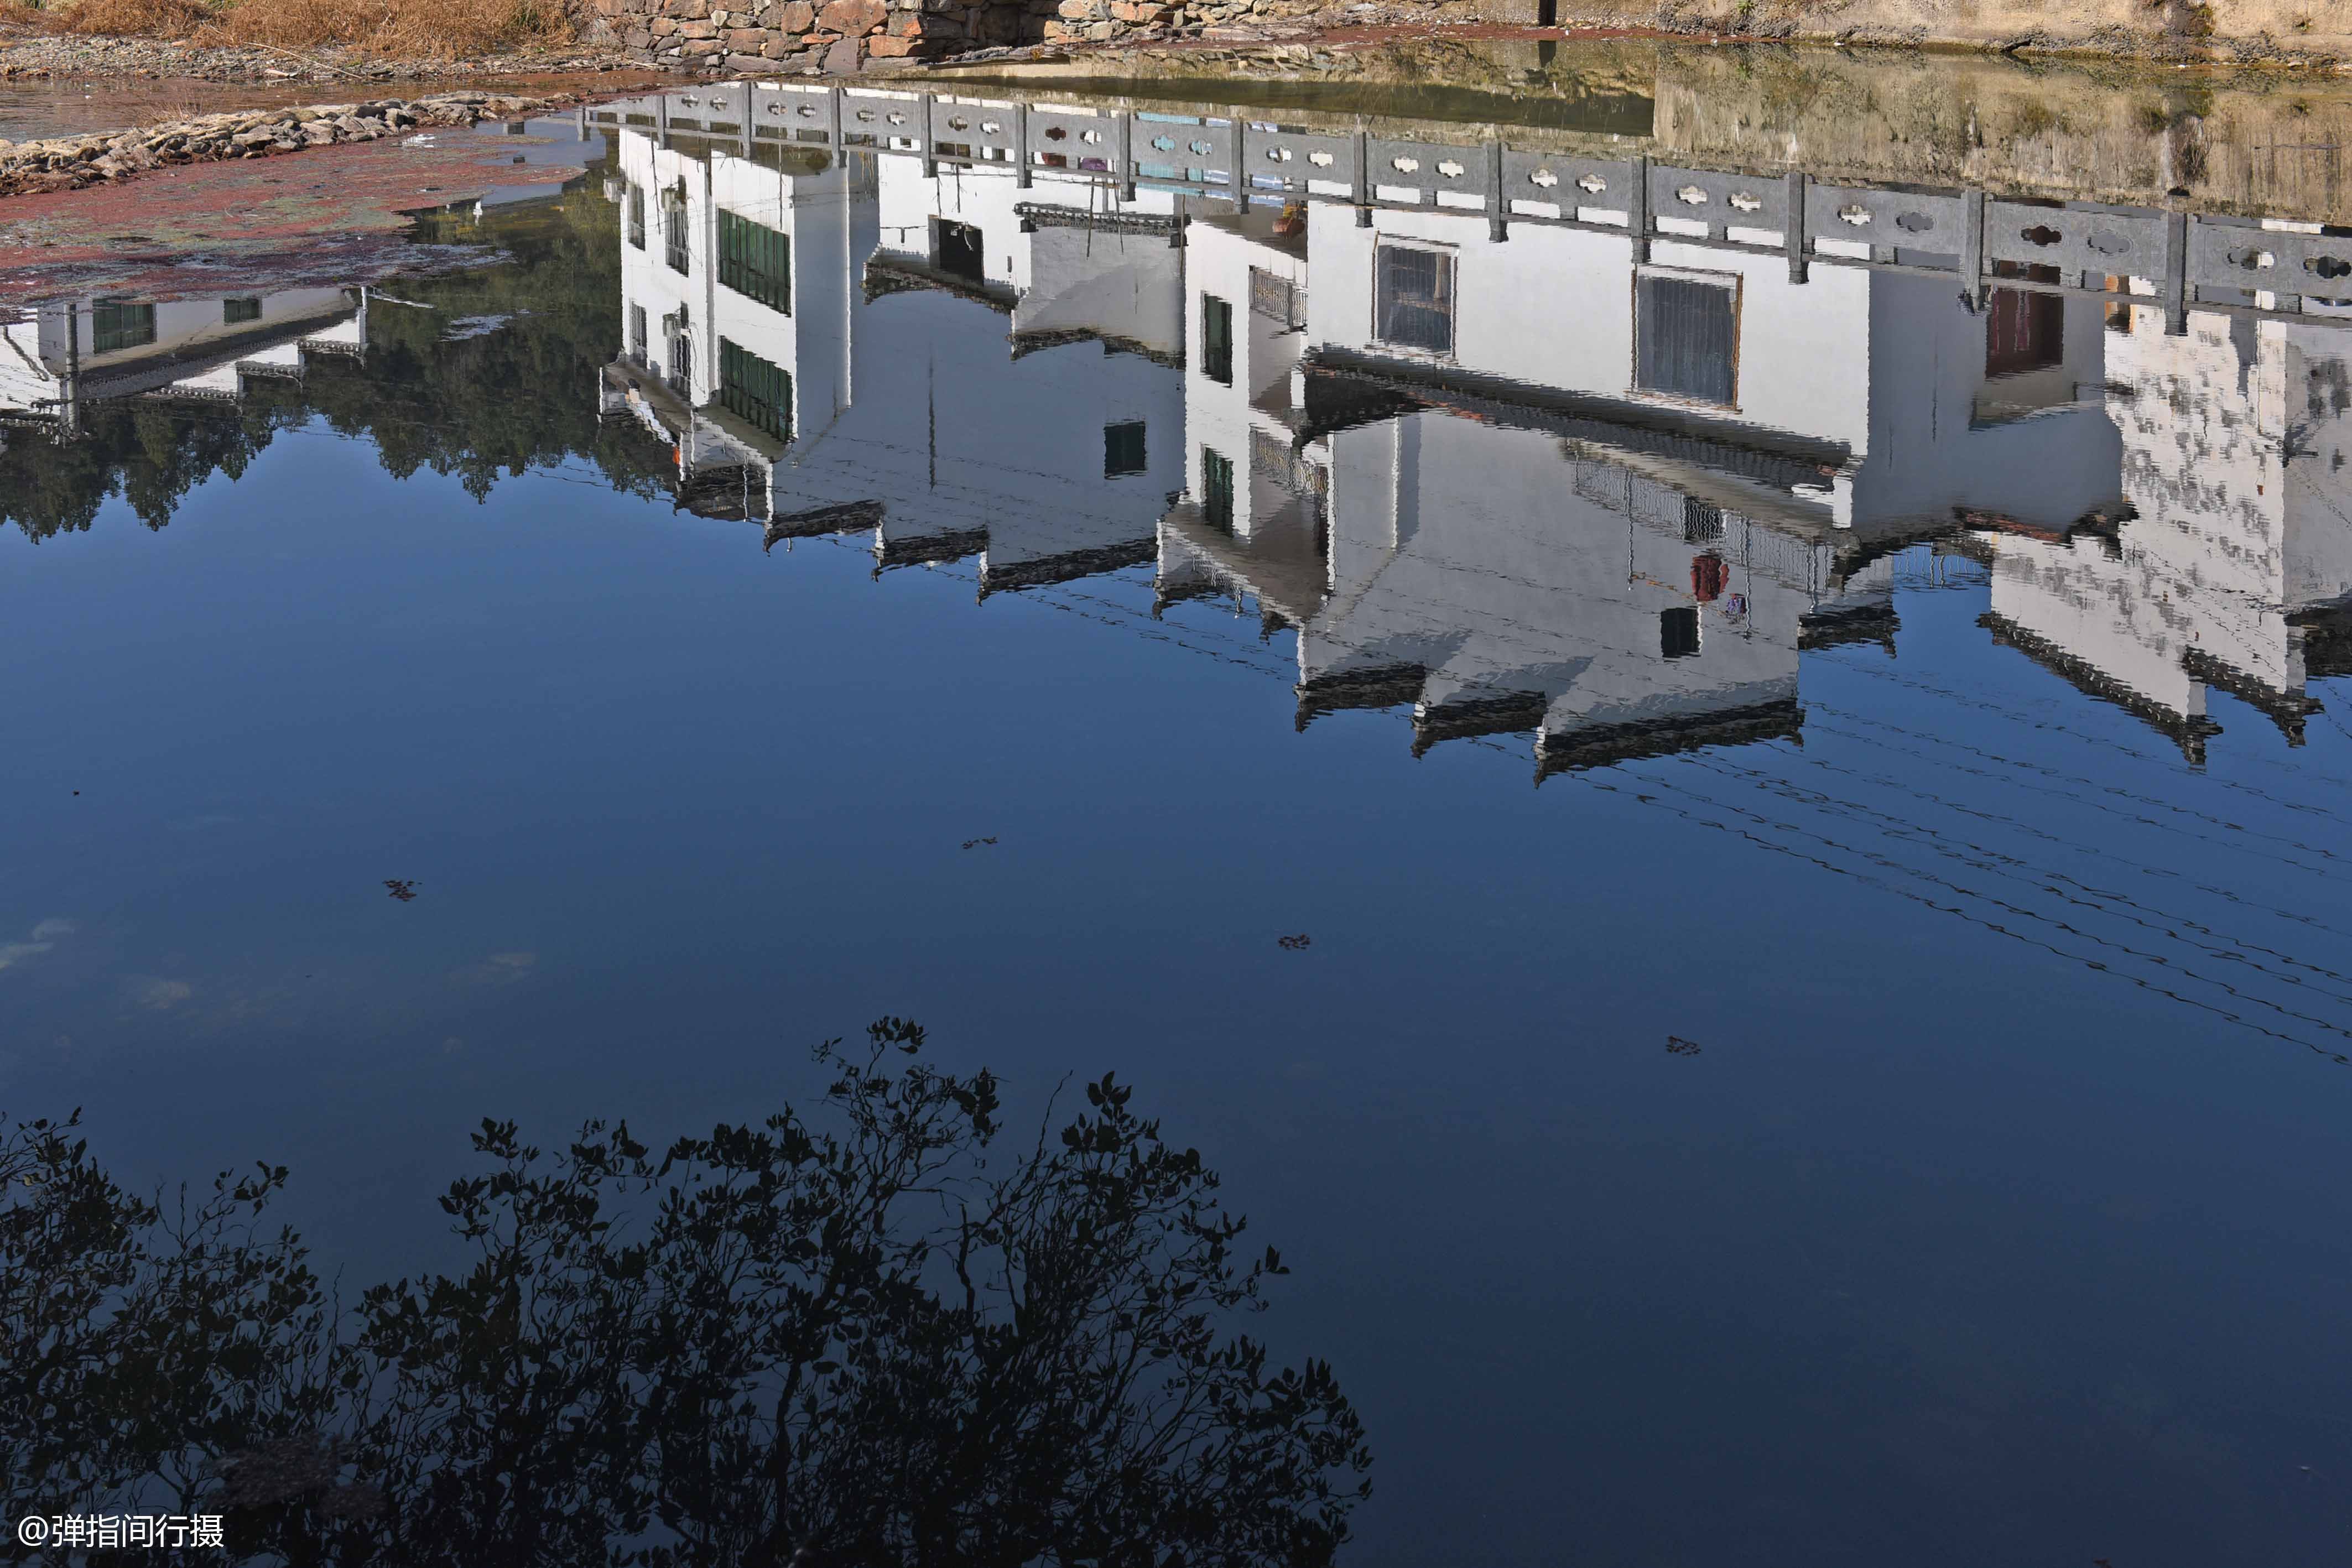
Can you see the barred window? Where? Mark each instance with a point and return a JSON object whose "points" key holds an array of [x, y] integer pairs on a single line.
{"points": [[1412, 298], [634, 208], [1702, 524], [755, 261], [1687, 336], [235, 311], [754, 390]]}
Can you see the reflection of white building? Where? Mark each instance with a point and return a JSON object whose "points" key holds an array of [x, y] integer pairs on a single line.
{"points": [[962, 371], [1531, 486], [715, 249], [1550, 484], [66, 354], [2236, 570], [1067, 256], [1925, 405]]}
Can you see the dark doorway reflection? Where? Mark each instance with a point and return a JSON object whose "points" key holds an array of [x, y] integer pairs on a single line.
{"points": [[958, 249], [2026, 330]]}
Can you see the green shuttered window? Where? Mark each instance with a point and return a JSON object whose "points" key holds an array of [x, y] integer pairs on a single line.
{"points": [[1217, 488], [114, 325], [754, 390], [755, 261], [1217, 338], [673, 220]]}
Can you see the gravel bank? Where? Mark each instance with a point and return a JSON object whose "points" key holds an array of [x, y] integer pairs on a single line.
{"points": [[29, 55]]}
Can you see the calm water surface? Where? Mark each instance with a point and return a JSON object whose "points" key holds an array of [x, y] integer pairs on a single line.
{"points": [[1747, 877]]}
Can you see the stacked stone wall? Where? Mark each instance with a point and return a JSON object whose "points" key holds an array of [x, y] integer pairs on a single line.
{"points": [[1106, 21], [838, 36], [842, 36]]}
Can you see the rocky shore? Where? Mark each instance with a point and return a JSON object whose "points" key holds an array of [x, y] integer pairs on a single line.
{"points": [[26, 55], [70, 162]]}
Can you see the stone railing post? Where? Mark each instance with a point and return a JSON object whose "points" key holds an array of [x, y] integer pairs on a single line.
{"points": [[1972, 247], [1362, 194], [1637, 206], [1792, 229], [2176, 275], [1498, 211]]}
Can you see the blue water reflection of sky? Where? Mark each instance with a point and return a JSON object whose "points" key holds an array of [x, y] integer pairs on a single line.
{"points": [[1884, 1104], [1941, 1238]]}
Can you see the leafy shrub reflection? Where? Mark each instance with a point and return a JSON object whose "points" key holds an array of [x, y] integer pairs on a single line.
{"points": [[476, 408], [872, 1338]]}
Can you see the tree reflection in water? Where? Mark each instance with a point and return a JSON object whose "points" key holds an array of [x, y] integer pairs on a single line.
{"points": [[872, 1337]]}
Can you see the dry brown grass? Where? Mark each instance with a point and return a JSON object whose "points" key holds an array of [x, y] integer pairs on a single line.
{"points": [[147, 18], [292, 24], [416, 29], [413, 29], [135, 18]]}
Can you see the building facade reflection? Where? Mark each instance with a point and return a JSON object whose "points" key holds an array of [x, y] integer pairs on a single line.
{"points": [[2230, 565], [1596, 489], [861, 346], [1551, 489], [1593, 487], [66, 354]]}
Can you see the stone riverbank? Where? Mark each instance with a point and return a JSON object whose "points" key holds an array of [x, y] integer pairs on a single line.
{"points": [[70, 162]]}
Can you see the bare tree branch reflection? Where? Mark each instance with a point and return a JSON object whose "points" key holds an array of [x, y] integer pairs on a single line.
{"points": [[870, 1337]]}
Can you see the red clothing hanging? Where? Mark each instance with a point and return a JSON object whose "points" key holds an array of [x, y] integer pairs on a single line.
{"points": [[1708, 575]]}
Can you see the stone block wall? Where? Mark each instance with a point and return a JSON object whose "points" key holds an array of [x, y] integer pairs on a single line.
{"points": [[1101, 21], [784, 36], [834, 36], [1245, 21]]}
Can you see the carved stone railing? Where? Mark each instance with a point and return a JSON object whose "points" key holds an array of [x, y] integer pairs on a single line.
{"points": [[1978, 238]]}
